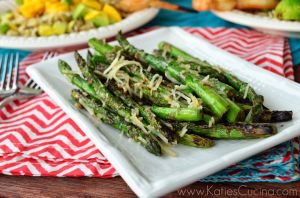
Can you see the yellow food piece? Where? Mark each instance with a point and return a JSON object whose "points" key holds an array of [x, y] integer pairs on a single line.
{"points": [[51, 1], [77, 2], [45, 30], [92, 4], [112, 13], [32, 8], [91, 14], [56, 7], [59, 28]]}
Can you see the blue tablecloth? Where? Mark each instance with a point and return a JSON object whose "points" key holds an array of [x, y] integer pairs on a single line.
{"points": [[206, 19]]}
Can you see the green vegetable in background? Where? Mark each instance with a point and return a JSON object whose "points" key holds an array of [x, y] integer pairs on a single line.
{"points": [[4, 28], [59, 28], [79, 11], [69, 2], [288, 10], [19, 2]]}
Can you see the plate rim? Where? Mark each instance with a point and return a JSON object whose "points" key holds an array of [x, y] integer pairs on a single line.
{"points": [[169, 183], [257, 21], [131, 22]]}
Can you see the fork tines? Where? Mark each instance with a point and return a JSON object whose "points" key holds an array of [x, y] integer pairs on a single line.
{"points": [[9, 69]]}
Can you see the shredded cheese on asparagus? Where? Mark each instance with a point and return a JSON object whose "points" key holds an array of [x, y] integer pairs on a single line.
{"points": [[218, 68], [136, 121], [161, 136], [205, 80], [183, 131], [137, 87], [155, 82], [195, 102], [191, 99], [169, 77], [211, 122], [246, 92], [122, 78], [142, 140], [187, 66], [149, 68]]}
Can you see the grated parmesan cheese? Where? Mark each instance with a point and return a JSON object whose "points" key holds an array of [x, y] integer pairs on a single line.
{"points": [[205, 80], [142, 140], [155, 82], [136, 121], [195, 102], [183, 131], [122, 78], [187, 66], [149, 68], [169, 77], [246, 92], [211, 122], [219, 69], [158, 134]]}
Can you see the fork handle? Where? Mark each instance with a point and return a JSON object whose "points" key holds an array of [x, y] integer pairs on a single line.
{"points": [[16, 96]]}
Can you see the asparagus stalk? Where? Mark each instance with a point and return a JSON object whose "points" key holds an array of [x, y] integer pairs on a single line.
{"points": [[99, 46], [214, 101], [242, 87], [149, 118], [276, 116], [97, 90], [178, 114], [117, 122], [159, 96], [189, 139], [235, 131], [145, 112], [196, 141]]}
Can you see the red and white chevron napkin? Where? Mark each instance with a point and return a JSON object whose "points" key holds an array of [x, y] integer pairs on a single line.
{"points": [[38, 139]]}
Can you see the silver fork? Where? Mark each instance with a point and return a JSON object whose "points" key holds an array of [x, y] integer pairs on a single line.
{"points": [[9, 72], [30, 89]]}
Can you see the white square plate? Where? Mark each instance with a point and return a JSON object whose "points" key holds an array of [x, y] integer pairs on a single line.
{"points": [[148, 175]]}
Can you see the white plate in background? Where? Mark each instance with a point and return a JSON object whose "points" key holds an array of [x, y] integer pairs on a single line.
{"points": [[262, 23], [151, 176], [131, 22]]}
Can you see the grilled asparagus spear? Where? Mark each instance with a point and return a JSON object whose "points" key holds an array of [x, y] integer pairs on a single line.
{"points": [[147, 115], [117, 122], [96, 89], [179, 114], [230, 131], [242, 87], [213, 100]]}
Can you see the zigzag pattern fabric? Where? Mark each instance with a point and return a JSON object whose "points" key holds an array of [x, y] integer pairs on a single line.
{"points": [[38, 139]]}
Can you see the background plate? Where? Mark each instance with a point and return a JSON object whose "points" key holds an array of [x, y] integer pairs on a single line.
{"points": [[151, 176], [133, 21], [262, 23]]}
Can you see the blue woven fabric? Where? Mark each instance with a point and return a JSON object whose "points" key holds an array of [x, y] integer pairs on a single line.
{"points": [[206, 19]]}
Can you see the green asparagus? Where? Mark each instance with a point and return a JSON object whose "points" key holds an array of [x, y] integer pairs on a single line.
{"points": [[236, 131], [167, 98], [218, 104], [243, 88], [196, 141], [96, 89], [179, 114], [117, 122]]}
